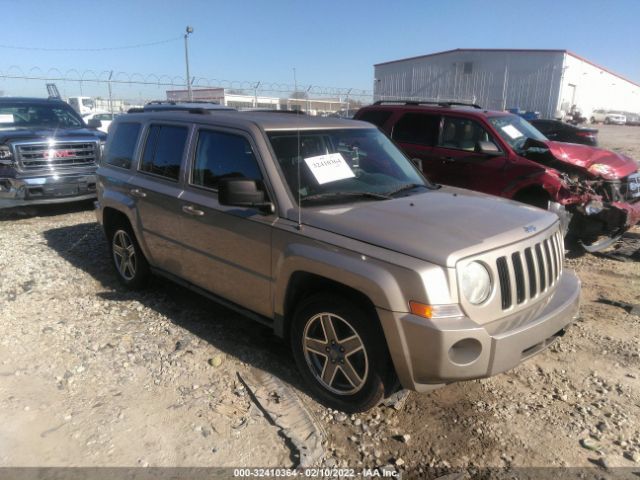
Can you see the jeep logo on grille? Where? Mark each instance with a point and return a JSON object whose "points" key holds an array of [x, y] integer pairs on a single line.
{"points": [[529, 229]]}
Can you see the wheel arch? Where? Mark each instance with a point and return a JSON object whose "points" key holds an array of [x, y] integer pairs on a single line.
{"points": [[533, 194]]}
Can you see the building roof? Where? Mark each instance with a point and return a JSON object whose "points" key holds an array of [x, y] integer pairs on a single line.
{"points": [[510, 50]]}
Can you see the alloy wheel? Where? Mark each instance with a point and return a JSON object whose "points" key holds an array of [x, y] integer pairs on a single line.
{"points": [[335, 354], [124, 255]]}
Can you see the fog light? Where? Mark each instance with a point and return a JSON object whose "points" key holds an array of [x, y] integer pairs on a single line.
{"points": [[465, 351]]}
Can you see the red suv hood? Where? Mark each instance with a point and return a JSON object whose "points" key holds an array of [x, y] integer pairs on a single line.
{"points": [[597, 161]]}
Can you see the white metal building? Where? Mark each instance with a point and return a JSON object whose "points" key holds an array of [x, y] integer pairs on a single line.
{"points": [[548, 81]]}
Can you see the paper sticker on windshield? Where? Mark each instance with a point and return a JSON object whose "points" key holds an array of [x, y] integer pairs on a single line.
{"points": [[329, 168], [512, 131], [6, 118]]}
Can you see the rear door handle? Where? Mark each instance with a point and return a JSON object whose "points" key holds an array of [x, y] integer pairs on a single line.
{"points": [[136, 192], [448, 159], [191, 210]]}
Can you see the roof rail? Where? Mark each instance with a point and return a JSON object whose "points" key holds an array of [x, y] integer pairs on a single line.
{"points": [[201, 111], [178, 102], [440, 103]]}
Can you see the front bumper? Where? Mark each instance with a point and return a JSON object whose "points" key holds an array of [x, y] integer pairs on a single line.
{"points": [[429, 353], [631, 210], [15, 192]]}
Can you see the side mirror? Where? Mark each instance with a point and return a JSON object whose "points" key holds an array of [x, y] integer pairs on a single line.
{"points": [[417, 162], [94, 123], [534, 146], [243, 192], [487, 148]]}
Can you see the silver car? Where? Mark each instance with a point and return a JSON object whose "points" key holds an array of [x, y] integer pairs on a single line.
{"points": [[323, 230]]}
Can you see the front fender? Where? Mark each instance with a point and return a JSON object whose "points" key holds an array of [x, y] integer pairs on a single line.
{"points": [[354, 270]]}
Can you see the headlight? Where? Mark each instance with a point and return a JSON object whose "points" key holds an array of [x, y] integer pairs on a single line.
{"points": [[475, 283], [6, 157]]}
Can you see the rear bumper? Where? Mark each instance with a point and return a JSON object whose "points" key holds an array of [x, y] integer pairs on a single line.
{"points": [[429, 353], [15, 192]]}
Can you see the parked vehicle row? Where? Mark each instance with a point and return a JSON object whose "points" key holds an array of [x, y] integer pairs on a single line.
{"points": [[596, 191], [324, 230]]}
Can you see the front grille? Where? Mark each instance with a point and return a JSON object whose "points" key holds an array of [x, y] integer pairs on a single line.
{"points": [[43, 156], [526, 280], [630, 188]]}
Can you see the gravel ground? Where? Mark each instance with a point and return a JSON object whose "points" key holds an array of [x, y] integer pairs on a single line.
{"points": [[93, 375]]}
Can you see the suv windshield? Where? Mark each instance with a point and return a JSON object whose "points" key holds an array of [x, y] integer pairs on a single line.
{"points": [[23, 115], [343, 165], [515, 130]]}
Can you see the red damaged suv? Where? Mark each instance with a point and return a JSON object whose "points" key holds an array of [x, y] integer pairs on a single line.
{"points": [[595, 191]]}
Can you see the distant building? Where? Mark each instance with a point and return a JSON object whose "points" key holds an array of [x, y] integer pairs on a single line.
{"points": [[548, 81], [223, 96]]}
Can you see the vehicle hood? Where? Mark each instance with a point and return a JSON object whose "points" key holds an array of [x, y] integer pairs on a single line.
{"points": [[438, 226], [597, 161], [14, 134]]}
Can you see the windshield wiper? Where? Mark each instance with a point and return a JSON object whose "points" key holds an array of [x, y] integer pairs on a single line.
{"points": [[330, 195], [404, 188]]}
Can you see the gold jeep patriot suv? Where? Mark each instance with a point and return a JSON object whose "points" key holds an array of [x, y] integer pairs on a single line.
{"points": [[323, 230]]}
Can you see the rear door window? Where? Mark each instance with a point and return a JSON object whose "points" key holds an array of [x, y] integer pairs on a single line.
{"points": [[223, 155], [163, 150], [417, 128], [123, 144]]}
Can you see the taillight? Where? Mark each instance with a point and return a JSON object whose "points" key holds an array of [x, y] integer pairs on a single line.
{"points": [[586, 134]]}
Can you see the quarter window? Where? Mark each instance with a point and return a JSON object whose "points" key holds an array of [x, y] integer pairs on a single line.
{"points": [[417, 128], [223, 155], [462, 134], [122, 145], [377, 117], [163, 150]]}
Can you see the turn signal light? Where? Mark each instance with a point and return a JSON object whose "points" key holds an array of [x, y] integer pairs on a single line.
{"points": [[435, 311]]}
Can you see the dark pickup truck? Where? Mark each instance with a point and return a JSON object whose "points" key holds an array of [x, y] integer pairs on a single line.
{"points": [[47, 153]]}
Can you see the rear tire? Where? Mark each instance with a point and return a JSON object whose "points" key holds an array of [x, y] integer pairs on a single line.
{"points": [[341, 353], [127, 258]]}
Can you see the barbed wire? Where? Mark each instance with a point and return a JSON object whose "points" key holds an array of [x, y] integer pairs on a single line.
{"points": [[176, 81], [100, 49]]}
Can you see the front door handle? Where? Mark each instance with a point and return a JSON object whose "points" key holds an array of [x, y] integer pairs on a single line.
{"points": [[448, 159], [136, 192], [191, 210]]}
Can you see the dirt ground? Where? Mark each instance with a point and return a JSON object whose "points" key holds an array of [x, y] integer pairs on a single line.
{"points": [[94, 375]]}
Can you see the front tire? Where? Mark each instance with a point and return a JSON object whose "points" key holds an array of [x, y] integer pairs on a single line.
{"points": [[340, 351], [129, 262]]}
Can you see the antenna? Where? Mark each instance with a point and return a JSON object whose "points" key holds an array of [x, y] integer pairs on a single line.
{"points": [[299, 195]]}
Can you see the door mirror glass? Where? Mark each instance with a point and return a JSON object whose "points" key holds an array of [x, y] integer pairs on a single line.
{"points": [[487, 148], [242, 192]]}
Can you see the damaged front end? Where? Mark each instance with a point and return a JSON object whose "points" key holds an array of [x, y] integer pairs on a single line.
{"points": [[600, 189]]}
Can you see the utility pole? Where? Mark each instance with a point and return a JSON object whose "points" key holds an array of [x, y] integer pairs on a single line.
{"points": [[110, 99], [186, 58], [255, 94]]}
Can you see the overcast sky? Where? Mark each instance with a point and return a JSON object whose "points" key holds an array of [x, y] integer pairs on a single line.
{"points": [[329, 43]]}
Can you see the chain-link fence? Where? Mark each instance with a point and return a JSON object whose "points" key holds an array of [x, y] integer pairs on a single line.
{"points": [[123, 90]]}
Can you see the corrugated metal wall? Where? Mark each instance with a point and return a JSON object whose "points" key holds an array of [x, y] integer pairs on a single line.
{"points": [[493, 79]]}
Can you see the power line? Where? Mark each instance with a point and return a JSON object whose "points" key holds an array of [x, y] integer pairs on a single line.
{"points": [[102, 49]]}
